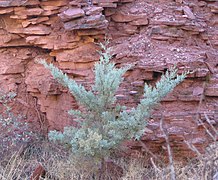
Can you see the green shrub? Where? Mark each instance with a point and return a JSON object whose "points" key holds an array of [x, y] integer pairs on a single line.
{"points": [[104, 124], [14, 129]]}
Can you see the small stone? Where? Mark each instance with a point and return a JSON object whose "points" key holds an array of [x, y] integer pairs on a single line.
{"points": [[147, 130], [34, 21], [140, 22], [120, 97], [133, 10], [94, 10], [133, 92], [108, 5], [50, 12], [198, 91], [71, 13], [50, 8], [188, 12], [88, 22], [158, 10], [22, 11], [138, 83], [6, 10], [202, 3], [38, 172]]}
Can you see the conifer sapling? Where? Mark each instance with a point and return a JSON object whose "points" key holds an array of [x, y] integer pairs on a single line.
{"points": [[104, 124]]}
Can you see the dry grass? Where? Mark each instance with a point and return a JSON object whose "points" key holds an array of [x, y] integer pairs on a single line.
{"points": [[59, 165], [16, 168], [204, 167]]}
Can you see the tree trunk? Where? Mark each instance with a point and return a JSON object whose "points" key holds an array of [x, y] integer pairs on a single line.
{"points": [[102, 169]]}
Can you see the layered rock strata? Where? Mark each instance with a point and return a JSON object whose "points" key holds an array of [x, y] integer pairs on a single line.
{"points": [[151, 35]]}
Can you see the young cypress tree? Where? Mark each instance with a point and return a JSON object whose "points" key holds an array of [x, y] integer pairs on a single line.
{"points": [[104, 124]]}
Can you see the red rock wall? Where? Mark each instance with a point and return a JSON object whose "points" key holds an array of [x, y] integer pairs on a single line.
{"points": [[152, 35]]}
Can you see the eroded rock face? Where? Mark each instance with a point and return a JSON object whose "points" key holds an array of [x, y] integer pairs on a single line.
{"points": [[152, 35]]}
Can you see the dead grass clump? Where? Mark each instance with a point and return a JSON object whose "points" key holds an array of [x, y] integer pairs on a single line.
{"points": [[60, 165], [203, 167], [16, 168]]}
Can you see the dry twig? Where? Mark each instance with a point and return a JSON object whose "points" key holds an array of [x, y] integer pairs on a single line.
{"points": [[172, 169]]}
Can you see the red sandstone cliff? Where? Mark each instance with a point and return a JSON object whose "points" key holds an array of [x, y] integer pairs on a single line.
{"points": [[152, 35]]}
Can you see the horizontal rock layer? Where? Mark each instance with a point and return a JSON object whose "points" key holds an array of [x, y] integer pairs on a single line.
{"points": [[152, 36]]}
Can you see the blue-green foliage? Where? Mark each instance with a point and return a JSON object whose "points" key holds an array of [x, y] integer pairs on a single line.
{"points": [[14, 129], [105, 124]]}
